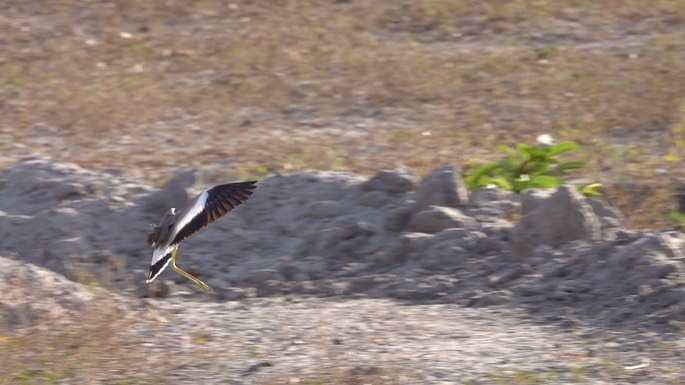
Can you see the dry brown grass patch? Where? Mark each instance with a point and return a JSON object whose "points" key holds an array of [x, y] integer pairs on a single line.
{"points": [[425, 82]]}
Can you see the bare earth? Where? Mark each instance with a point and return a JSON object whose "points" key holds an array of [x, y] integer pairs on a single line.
{"points": [[313, 341], [383, 342]]}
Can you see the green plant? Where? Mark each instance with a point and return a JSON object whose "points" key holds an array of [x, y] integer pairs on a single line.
{"points": [[676, 217], [525, 166], [590, 189], [677, 139]]}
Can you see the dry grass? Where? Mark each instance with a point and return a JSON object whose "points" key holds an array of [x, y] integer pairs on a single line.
{"points": [[472, 74], [50, 351], [257, 86], [103, 345]]}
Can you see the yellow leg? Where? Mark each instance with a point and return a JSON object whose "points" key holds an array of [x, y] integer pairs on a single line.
{"points": [[184, 273]]}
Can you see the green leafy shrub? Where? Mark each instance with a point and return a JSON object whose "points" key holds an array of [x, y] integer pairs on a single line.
{"points": [[527, 166]]}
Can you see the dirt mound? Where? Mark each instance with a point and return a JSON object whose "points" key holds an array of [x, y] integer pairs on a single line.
{"points": [[335, 233]]}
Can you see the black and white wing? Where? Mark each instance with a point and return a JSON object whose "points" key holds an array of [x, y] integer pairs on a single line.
{"points": [[160, 259], [209, 206]]}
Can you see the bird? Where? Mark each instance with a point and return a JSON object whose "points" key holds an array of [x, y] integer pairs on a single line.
{"points": [[206, 208]]}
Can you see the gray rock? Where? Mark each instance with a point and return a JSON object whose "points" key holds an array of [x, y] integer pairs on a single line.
{"points": [[234, 293], [31, 293], [218, 284], [347, 237], [609, 217], [663, 269], [321, 242], [492, 298], [672, 243], [442, 256], [494, 211], [67, 191], [401, 249], [373, 199], [506, 276], [450, 235], [261, 278], [353, 228], [308, 268], [322, 233], [441, 187], [366, 282], [562, 217], [623, 236], [670, 297], [398, 218], [646, 258], [472, 241], [485, 196], [490, 244], [289, 270], [532, 198], [64, 248], [393, 181], [35, 185], [324, 209], [437, 218], [414, 289]]}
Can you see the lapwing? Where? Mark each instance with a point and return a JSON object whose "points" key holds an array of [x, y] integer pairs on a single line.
{"points": [[206, 208]]}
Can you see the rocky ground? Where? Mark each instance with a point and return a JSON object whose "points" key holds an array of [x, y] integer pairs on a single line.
{"points": [[353, 276], [338, 278]]}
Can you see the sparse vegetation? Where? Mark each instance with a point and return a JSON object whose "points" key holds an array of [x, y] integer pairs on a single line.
{"points": [[349, 85], [244, 89], [526, 167], [72, 349]]}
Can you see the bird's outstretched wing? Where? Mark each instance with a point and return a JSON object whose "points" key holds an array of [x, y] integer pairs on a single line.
{"points": [[209, 206]]}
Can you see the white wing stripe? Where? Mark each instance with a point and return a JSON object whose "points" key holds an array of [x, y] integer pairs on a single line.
{"points": [[159, 253], [193, 211]]}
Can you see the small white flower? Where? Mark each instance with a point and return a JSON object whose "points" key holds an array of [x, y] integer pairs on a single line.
{"points": [[545, 139], [524, 178]]}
